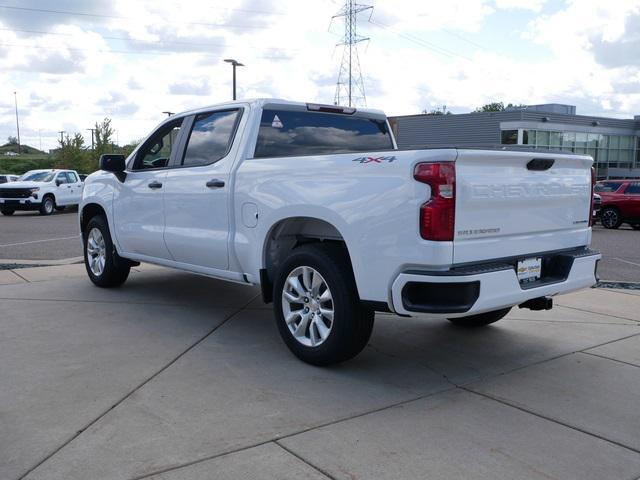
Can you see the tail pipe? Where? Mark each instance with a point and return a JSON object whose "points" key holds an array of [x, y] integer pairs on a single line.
{"points": [[540, 303]]}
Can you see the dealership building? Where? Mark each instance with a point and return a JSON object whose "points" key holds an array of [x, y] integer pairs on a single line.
{"points": [[613, 143]]}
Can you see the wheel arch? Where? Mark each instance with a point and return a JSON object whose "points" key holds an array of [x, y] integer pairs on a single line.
{"points": [[289, 233], [89, 211]]}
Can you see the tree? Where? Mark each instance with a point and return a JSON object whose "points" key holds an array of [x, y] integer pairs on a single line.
{"points": [[11, 140], [437, 111], [103, 134], [491, 107]]}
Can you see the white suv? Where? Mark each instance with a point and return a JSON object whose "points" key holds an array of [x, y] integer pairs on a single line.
{"points": [[43, 190]]}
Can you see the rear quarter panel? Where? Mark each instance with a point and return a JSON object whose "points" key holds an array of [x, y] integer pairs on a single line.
{"points": [[374, 205]]}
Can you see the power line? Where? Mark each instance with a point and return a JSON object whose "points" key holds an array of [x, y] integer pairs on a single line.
{"points": [[124, 52], [350, 83], [162, 42], [122, 17]]}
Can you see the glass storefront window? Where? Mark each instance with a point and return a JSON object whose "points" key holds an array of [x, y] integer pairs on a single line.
{"points": [[614, 141], [568, 139], [626, 141], [554, 139], [509, 137], [542, 138]]}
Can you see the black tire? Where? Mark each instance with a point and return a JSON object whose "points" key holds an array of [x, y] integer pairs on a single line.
{"points": [[8, 213], [481, 319], [352, 323], [48, 205], [116, 269], [610, 218], [60, 208]]}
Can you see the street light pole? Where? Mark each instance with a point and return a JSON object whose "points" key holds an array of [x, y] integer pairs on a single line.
{"points": [[234, 64], [168, 113], [15, 97], [92, 130]]}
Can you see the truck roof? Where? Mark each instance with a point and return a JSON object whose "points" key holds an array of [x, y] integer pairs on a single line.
{"points": [[261, 102]]}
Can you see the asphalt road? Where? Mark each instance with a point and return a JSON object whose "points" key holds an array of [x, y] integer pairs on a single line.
{"points": [[29, 236], [620, 253]]}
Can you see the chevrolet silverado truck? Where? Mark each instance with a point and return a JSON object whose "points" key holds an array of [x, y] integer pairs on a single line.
{"points": [[41, 190], [318, 207]]}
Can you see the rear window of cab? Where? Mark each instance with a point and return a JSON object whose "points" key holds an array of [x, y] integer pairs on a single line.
{"points": [[285, 133]]}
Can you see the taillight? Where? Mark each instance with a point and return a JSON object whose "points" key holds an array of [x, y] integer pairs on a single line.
{"points": [[593, 184], [437, 215]]}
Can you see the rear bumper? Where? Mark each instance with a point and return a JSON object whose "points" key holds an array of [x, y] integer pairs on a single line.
{"points": [[485, 287], [22, 204]]}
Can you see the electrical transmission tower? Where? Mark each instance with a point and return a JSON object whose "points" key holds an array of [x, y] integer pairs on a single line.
{"points": [[350, 87]]}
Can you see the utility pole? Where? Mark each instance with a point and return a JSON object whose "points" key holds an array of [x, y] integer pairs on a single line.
{"points": [[61, 137], [40, 138], [15, 97], [92, 143], [350, 84], [235, 64]]}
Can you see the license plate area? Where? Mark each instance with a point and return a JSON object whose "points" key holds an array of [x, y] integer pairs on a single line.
{"points": [[529, 270]]}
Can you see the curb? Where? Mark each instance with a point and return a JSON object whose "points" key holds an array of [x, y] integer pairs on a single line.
{"points": [[10, 264], [618, 285]]}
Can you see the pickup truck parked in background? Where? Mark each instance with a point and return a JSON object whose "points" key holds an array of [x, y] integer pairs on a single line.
{"points": [[43, 190], [317, 206], [6, 178], [620, 203]]}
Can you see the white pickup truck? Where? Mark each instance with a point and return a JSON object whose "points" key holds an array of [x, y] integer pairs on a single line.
{"points": [[317, 206], [42, 190]]}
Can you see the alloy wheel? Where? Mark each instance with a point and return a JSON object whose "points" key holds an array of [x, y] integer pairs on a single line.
{"points": [[307, 306], [96, 252]]}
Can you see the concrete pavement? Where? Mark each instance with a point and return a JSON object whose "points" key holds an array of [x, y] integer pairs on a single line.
{"points": [[175, 376]]}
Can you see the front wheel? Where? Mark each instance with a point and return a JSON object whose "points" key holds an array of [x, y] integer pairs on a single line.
{"points": [[610, 218], [317, 308], [7, 212], [481, 319], [47, 206], [104, 266]]}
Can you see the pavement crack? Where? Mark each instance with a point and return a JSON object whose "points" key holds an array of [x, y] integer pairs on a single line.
{"points": [[138, 387], [305, 461], [550, 419]]}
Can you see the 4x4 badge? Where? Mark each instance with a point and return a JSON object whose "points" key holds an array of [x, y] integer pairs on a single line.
{"points": [[374, 159]]}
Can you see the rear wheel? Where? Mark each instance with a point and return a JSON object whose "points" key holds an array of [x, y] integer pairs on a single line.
{"points": [[7, 212], [104, 266], [610, 218], [48, 205], [481, 319], [317, 308]]}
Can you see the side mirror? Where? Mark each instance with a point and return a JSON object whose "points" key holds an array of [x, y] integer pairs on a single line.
{"points": [[112, 162], [58, 183]]}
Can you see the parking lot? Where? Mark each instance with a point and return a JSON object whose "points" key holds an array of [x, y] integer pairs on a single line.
{"points": [[29, 236], [176, 376]]}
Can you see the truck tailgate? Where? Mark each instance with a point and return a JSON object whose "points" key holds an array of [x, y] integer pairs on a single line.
{"points": [[505, 208]]}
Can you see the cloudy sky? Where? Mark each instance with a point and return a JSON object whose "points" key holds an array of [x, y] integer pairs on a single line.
{"points": [[74, 62]]}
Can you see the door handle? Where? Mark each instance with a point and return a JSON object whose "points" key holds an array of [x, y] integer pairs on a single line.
{"points": [[155, 184], [215, 183]]}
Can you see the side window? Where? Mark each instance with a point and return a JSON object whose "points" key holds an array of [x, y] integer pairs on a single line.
{"points": [[62, 178], [210, 138], [633, 188], [156, 151], [3, 179], [72, 177], [293, 133]]}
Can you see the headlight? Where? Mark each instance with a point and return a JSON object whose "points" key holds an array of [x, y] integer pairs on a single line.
{"points": [[34, 191]]}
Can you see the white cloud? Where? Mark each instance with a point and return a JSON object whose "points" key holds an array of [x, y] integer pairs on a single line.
{"points": [[147, 57]]}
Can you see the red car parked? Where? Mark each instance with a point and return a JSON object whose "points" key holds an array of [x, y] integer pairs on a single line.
{"points": [[620, 203]]}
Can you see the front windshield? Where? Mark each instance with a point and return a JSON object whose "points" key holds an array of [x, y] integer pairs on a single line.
{"points": [[37, 177]]}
